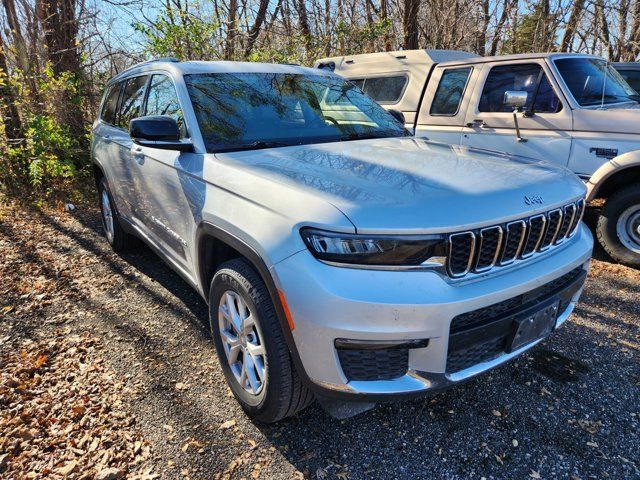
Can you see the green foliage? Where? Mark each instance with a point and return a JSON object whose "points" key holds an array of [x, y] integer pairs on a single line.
{"points": [[49, 157], [180, 34]]}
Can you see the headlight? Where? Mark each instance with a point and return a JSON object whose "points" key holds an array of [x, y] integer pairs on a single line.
{"points": [[376, 250]]}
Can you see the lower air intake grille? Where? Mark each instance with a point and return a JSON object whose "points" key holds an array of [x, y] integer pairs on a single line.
{"points": [[373, 364]]}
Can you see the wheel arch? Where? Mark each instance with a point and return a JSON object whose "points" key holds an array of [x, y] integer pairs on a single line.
{"points": [[617, 172], [214, 247]]}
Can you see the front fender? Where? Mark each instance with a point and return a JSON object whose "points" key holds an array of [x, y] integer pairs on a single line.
{"points": [[615, 165]]}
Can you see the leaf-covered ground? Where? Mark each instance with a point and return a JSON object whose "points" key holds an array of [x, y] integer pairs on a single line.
{"points": [[107, 371]]}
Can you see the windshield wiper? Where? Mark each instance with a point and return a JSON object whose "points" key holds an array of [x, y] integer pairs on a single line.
{"points": [[258, 144], [365, 136]]}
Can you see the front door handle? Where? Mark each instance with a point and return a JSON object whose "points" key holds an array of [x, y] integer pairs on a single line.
{"points": [[137, 155], [477, 123]]}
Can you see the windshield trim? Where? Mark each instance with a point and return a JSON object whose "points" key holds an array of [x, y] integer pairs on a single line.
{"points": [[575, 105]]}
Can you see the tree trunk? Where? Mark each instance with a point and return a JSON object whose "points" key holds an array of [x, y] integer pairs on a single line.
{"points": [[257, 25], [496, 36], [410, 24], [602, 21], [60, 27], [8, 109], [572, 25], [231, 30], [303, 22], [634, 49]]}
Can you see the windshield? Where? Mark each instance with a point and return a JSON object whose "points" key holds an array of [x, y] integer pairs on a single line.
{"points": [[240, 111], [593, 81]]}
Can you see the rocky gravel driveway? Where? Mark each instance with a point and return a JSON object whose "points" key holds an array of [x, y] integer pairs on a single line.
{"points": [[568, 409]]}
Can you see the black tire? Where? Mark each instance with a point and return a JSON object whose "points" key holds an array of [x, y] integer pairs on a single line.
{"points": [[282, 394], [119, 240], [607, 232]]}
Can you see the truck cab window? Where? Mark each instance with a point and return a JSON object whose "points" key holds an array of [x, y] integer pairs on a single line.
{"points": [[447, 99], [519, 77], [385, 89]]}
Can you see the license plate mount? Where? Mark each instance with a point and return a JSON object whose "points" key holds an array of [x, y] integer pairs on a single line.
{"points": [[533, 325]]}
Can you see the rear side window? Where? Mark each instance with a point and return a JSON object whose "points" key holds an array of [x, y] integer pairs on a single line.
{"points": [[447, 99], [385, 89], [523, 78], [132, 100], [110, 106], [632, 77], [163, 100]]}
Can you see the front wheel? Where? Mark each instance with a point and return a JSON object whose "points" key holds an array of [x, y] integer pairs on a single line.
{"points": [[619, 226], [250, 345]]}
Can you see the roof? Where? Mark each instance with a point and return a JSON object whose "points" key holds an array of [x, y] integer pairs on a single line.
{"points": [[518, 56], [627, 65], [187, 68], [366, 61]]}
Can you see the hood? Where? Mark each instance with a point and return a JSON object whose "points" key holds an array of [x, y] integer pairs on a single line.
{"points": [[411, 185], [623, 118]]}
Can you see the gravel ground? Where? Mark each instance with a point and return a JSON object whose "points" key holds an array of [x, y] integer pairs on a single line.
{"points": [[568, 409]]}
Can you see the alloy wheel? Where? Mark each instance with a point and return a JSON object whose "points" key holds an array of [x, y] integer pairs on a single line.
{"points": [[107, 215], [242, 342]]}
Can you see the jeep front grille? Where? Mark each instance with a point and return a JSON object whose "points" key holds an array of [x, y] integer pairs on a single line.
{"points": [[498, 245]]}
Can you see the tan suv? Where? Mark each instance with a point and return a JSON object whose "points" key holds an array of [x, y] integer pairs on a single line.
{"points": [[568, 109]]}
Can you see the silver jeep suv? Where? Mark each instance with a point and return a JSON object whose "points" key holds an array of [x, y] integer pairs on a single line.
{"points": [[341, 259]]}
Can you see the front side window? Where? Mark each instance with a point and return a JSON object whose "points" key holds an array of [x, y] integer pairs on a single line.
{"points": [[110, 105], [529, 78], [163, 100], [447, 99], [592, 81], [240, 111], [632, 77], [132, 100]]}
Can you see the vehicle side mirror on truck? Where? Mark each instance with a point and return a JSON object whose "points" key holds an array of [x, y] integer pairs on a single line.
{"points": [[398, 115], [516, 100]]}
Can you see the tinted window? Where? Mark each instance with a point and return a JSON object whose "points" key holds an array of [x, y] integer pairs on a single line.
{"points": [[132, 99], [592, 81], [111, 104], [237, 111], [385, 89], [632, 77], [163, 100], [447, 99], [519, 77], [358, 83]]}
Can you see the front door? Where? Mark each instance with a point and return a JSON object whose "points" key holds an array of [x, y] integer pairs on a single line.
{"points": [[545, 124], [170, 186]]}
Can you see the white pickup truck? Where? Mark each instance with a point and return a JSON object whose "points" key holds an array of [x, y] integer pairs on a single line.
{"points": [[568, 109]]}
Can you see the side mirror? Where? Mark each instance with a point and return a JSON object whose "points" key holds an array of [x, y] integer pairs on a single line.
{"points": [[398, 115], [515, 99], [158, 132]]}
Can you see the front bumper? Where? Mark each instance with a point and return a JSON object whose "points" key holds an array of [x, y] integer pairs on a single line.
{"points": [[330, 304]]}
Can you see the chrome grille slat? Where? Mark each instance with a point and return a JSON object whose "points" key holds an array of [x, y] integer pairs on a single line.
{"points": [[554, 221], [489, 248], [499, 245], [516, 233]]}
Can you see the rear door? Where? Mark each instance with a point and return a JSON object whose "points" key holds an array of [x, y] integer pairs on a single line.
{"points": [[127, 172], [546, 127], [442, 114]]}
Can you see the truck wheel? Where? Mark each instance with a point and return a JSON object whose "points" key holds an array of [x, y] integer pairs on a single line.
{"points": [[619, 226], [251, 349], [119, 240]]}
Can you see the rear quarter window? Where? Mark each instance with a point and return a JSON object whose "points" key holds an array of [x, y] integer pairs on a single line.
{"points": [[110, 105]]}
